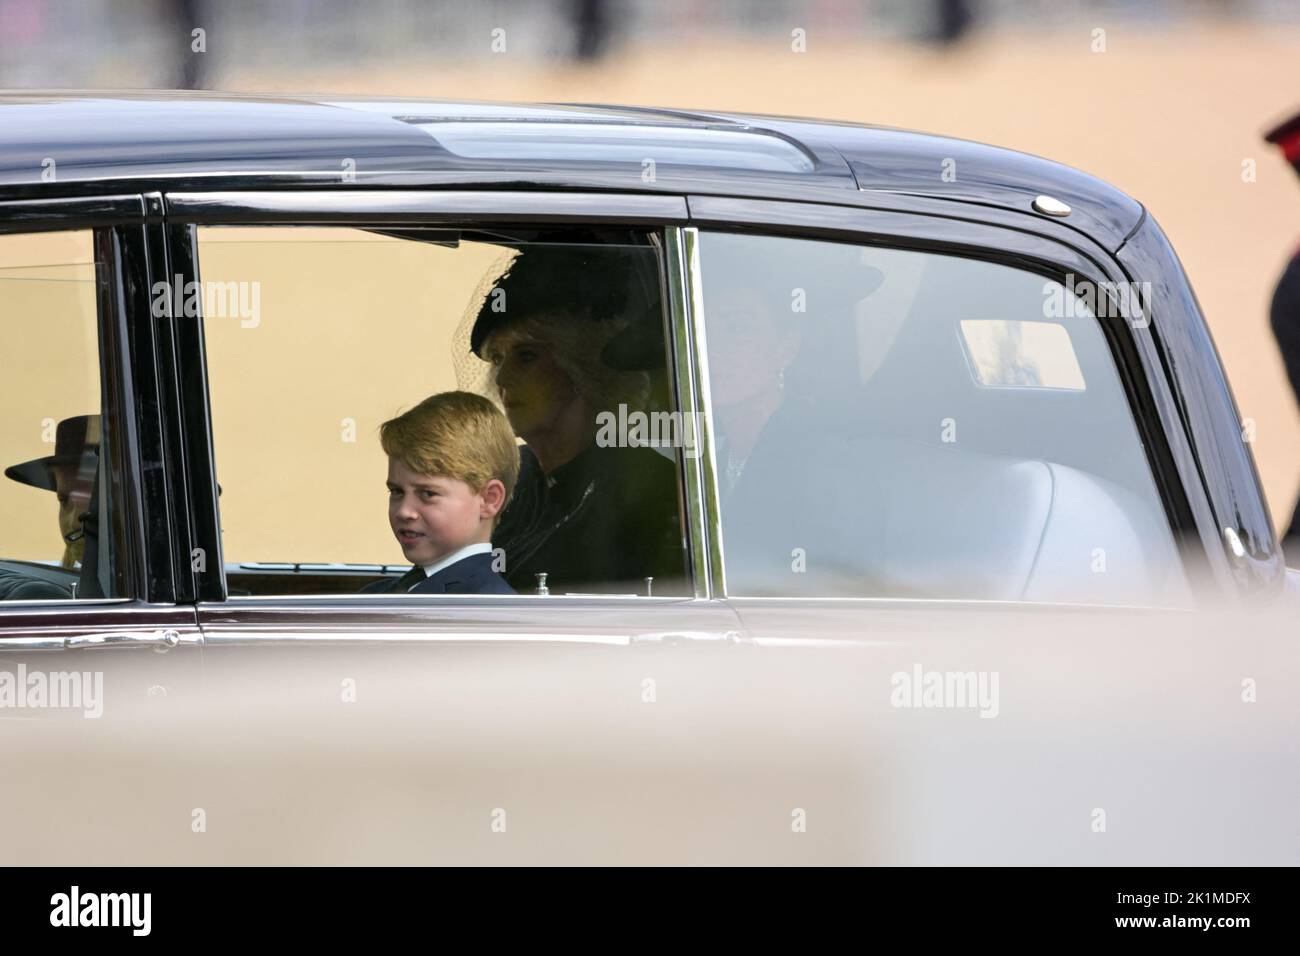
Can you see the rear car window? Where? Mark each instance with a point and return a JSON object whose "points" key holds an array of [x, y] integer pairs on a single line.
{"points": [[896, 423]]}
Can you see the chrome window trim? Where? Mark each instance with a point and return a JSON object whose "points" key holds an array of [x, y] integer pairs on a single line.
{"points": [[683, 281], [706, 454], [61, 604], [345, 206]]}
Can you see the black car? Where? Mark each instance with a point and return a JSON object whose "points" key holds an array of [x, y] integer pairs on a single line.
{"points": [[821, 372]]}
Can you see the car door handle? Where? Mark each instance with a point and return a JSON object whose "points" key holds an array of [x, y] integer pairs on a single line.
{"points": [[159, 640], [689, 637]]}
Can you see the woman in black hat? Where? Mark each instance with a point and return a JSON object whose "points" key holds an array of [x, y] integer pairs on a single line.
{"points": [[591, 518]]}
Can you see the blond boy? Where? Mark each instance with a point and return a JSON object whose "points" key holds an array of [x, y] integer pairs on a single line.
{"points": [[452, 464]]}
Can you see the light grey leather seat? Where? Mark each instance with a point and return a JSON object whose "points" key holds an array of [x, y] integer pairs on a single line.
{"points": [[937, 521]]}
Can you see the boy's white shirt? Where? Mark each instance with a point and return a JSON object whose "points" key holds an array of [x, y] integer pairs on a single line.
{"points": [[483, 547]]}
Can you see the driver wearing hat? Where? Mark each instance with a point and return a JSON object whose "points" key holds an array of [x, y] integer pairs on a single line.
{"points": [[70, 474]]}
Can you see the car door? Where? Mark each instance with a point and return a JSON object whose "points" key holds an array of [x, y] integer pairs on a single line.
{"points": [[99, 644], [312, 318], [88, 568], [950, 484]]}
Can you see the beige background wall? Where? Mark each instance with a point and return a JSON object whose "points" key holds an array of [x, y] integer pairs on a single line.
{"points": [[49, 370], [354, 328]]}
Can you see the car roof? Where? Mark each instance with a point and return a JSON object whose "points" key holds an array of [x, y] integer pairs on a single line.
{"points": [[63, 142]]}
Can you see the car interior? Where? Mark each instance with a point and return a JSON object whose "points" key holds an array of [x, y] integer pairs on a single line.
{"points": [[950, 488], [959, 468], [452, 269]]}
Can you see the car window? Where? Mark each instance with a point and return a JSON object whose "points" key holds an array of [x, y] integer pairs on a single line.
{"points": [[897, 423], [316, 337], [59, 522]]}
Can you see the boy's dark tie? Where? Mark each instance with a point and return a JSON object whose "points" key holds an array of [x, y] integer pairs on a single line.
{"points": [[409, 580]]}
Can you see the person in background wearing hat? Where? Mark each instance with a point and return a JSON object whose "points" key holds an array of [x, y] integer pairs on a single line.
{"points": [[1284, 316], [70, 474], [591, 518]]}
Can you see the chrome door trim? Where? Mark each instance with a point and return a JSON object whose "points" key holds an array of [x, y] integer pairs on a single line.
{"points": [[80, 625], [160, 639], [217, 636], [613, 621]]}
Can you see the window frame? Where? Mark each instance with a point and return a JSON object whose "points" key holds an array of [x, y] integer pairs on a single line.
{"points": [[185, 211], [129, 348], [1047, 249]]}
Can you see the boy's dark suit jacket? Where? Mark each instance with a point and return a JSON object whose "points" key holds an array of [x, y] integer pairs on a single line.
{"points": [[472, 575]]}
